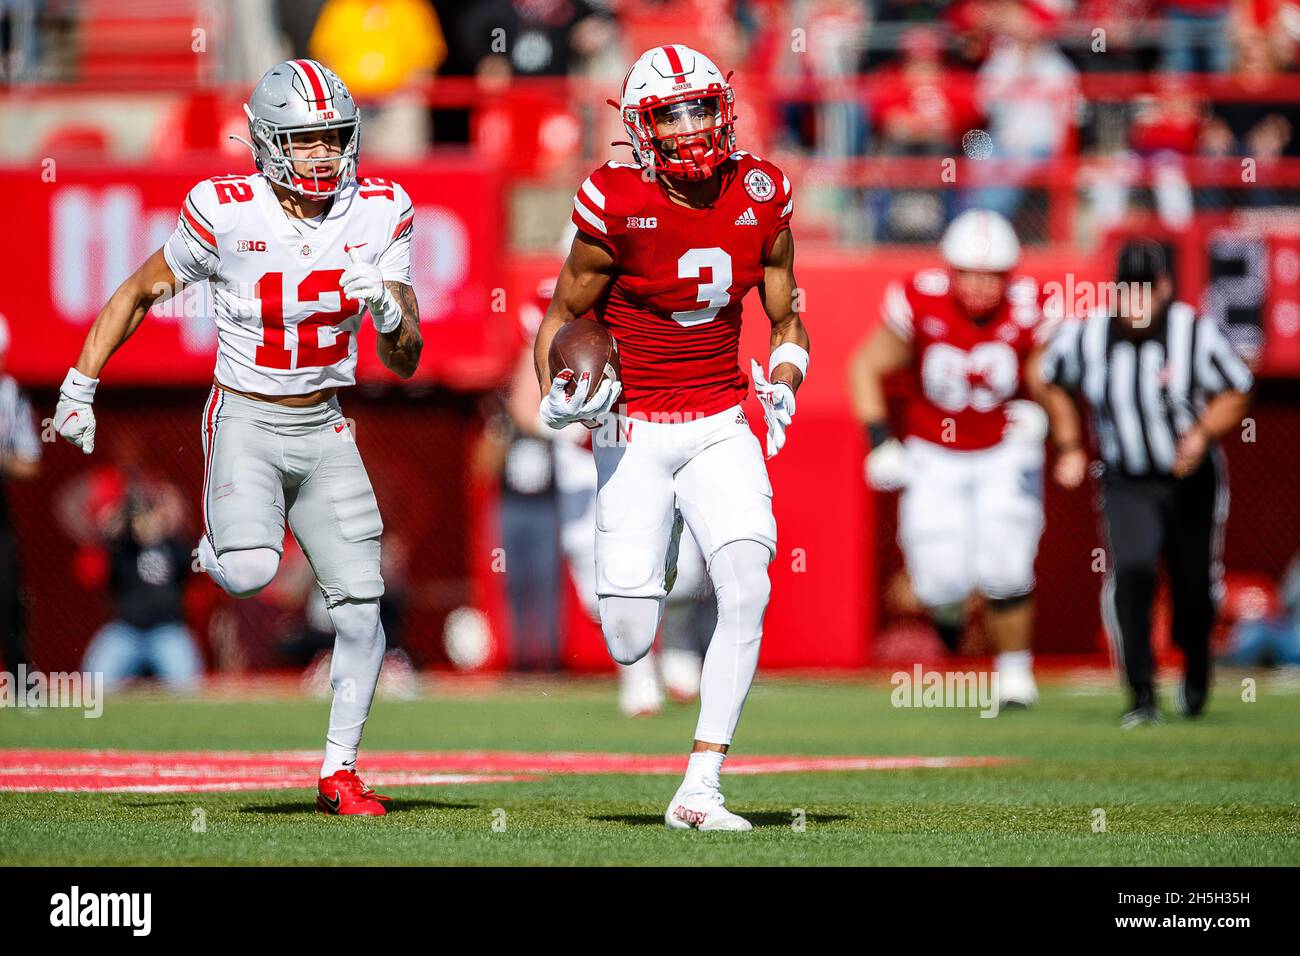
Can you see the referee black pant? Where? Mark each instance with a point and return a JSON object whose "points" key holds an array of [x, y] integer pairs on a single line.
{"points": [[13, 646], [1153, 517]]}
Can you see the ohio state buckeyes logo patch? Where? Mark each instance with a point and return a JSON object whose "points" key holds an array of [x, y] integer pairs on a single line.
{"points": [[759, 185]]}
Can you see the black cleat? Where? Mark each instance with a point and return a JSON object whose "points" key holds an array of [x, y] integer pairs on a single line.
{"points": [[1192, 700]]}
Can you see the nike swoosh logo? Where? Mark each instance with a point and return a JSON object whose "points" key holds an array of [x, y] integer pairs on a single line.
{"points": [[70, 417], [337, 430], [332, 804], [347, 248]]}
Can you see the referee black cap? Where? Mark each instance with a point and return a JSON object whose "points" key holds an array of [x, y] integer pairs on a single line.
{"points": [[1141, 260]]}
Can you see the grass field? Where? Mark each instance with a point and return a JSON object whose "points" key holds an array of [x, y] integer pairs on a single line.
{"points": [[1224, 790]]}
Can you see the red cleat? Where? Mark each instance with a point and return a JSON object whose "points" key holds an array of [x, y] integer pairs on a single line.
{"points": [[344, 794]]}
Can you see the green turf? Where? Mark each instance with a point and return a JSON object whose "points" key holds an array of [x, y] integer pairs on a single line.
{"points": [[1224, 790]]}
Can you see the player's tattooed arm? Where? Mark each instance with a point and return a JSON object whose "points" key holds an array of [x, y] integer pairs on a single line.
{"points": [[583, 280], [124, 312], [400, 349], [781, 298]]}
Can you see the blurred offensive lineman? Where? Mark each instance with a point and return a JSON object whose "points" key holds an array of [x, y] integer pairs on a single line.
{"points": [[293, 254], [971, 512], [665, 252]]}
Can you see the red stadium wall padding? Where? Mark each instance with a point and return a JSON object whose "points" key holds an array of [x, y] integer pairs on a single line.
{"points": [[89, 229]]}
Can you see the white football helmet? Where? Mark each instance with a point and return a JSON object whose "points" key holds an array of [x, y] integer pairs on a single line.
{"points": [[679, 111], [300, 96], [982, 241]]}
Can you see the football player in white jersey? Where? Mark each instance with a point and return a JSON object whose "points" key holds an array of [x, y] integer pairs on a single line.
{"points": [[294, 255]]}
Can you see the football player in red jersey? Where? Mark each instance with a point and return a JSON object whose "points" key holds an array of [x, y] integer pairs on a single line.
{"points": [[971, 512], [667, 248]]}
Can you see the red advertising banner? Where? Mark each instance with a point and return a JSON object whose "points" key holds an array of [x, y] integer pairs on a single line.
{"points": [[85, 232]]}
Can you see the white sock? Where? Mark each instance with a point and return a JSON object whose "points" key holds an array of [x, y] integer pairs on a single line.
{"points": [[1014, 662], [740, 584], [701, 767], [354, 672]]}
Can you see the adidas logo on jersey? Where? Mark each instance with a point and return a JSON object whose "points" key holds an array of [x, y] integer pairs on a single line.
{"points": [[747, 218]]}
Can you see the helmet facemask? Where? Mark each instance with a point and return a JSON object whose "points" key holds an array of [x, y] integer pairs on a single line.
{"points": [[276, 160], [686, 135]]}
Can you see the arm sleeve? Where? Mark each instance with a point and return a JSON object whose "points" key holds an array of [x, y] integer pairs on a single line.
{"points": [[395, 261], [896, 310], [191, 250], [1218, 366]]}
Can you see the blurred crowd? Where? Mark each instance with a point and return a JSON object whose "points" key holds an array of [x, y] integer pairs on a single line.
{"points": [[826, 80]]}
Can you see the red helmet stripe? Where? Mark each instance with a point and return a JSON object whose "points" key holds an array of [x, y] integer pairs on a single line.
{"points": [[316, 82], [675, 64]]}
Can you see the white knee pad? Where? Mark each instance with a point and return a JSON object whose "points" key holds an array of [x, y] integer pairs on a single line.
{"points": [[630, 625], [247, 572]]}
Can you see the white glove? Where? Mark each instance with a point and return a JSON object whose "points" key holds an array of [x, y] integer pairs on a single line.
{"points": [[73, 416], [886, 468], [364, 282], [777, 399], [1026, 421], [559, 409]]}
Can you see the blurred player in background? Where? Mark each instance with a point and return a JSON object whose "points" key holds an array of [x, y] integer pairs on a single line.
{"points": [[971, 472], [667, 248], [689, 610], [20, 460], [294, 254]]}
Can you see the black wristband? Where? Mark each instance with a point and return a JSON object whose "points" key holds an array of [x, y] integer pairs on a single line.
{"points": [[878, 433]]}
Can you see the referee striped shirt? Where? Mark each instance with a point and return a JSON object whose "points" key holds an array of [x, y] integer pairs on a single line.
{"points": [[1144, 388]]}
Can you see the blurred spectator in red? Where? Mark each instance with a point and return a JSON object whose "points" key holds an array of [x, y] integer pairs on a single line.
{"points": [[1261, 130], [975, 24], [1029, 91], [919, 108], [20, 460], [1166, 129], [382, 50], [1278, 21], [1196, 37]]}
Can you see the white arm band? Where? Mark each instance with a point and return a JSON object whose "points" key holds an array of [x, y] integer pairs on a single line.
{"points": [[78, 386], [796, 355]]}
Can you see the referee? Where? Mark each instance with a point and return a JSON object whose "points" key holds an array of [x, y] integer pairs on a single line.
{"points": [[20, 460], [1162, 386]]}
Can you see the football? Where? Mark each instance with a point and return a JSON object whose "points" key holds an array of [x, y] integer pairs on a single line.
{"points": [[584, 346]]}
